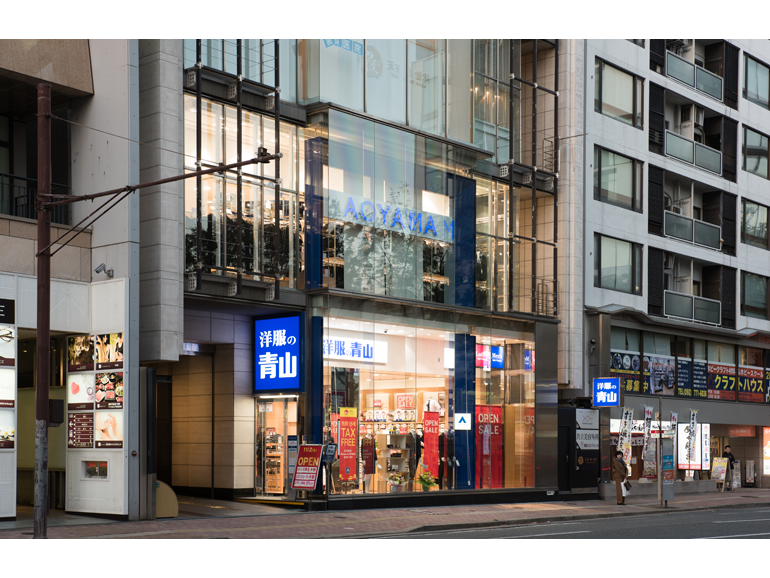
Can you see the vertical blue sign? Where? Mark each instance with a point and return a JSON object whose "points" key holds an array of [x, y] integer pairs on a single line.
{"points": [[277, 359], [606, 392]]}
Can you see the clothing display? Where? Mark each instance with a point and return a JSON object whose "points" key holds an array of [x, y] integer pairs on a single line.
{"points": [[431, 405], [446, 452]]}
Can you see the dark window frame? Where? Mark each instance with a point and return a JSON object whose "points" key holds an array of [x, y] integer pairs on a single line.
{"points": [[743, 147], [638, 42], [637, 262], [766, 313], [638, 111], [759, 243], [746, 57], [637, 177]]}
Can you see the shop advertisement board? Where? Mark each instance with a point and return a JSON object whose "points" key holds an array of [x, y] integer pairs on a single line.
{"points": [[721, 381], [719, 469], [667, 468], [749, 471], [277, 359], [489, 446], [348, 444], [625, 366], [308, 466], [766, 451], [430, 439], [736, 472], [404, 401], [659, 374], [683, 377], [700, 386], [80, 353], [606, 392], [291, 445], [587, 460], [751, 384], [355, 349], [529, 360], [587, 439], [742, 431], [587, 418]]}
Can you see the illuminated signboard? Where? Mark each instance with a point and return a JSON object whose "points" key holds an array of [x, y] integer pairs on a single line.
{"points": [[277, 354]]}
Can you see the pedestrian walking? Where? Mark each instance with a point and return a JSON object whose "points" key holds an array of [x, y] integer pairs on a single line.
{"points": [[619, 469], [728, 453]]}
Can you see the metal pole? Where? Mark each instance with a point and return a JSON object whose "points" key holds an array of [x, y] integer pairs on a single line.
{"points": [[277, 51], [660, 450], [43, 310], [198, 180]]}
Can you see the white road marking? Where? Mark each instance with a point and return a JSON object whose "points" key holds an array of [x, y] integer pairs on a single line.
{"points": [[495, 529], [552, 534], [735, 521], [734, 536]]}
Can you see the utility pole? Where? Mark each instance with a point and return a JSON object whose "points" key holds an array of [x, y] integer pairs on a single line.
{"points": [[43, 308], [659, 453]]}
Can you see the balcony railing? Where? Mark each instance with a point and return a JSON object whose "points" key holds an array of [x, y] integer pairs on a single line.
{"points": [[695, 77], [17, 199], [693, 153], [692, 308], [692, 230]]}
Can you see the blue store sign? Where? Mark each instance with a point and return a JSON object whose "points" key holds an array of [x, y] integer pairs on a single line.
{"points": [[606, 392], [277, 354]]}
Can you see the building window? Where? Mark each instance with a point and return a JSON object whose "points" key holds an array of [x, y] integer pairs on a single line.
{"points": [[618, 94], [617, 265], [639, 42], [756, 81], [755, 152], [754, 224], [753, 295], [617, 179]]}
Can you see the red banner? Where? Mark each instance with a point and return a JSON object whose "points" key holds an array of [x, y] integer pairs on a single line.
{"points": [[405, 401], [348, 444], [367, 455], [489, 446], [307, 468], [335, 418], [430, 456]]}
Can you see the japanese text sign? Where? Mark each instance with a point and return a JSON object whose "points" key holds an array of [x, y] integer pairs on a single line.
{"points": [[348, 444], [606, 392], [308, 465], [277, 359]]}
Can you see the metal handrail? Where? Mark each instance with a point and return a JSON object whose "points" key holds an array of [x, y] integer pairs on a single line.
{"points": [[20, 200]]}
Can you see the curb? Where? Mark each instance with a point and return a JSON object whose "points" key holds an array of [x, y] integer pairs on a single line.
{"points": [[538, 520]]}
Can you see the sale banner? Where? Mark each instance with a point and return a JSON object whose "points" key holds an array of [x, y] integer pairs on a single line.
{"points": [[307, 468], [430, 455], [348, 435], [367, 455], [489, 446]]}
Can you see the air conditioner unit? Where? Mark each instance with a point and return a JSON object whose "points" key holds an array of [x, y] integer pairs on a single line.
{"points": [[677, 210], [700, 116]]}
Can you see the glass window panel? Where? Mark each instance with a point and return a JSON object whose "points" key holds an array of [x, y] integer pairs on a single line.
{"points": [[190, 52], [757, 82], [709, 83], [616, 269], [616, 182], [211, 132], [288, 65], [483, 205], [617, 94], [386, 79], [755, 295], [755, 224], [756, 153], [459, 90], [484, 56], [503, 127], [484, 125], [679, 147], [426, 84], [342, 73], [189, 131], [252, 230], [680, 69], [231, 56], [231, 135], [288, 149], [251, 54], [5, 129], [212, 222], [211, 53], [268, 61], [708, 158]]}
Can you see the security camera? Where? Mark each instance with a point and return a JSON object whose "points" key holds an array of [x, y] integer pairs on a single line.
{"points": [[103, 269], [384, 330]]}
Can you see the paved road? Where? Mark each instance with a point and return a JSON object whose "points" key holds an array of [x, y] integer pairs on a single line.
{"points": [[739, 523]]}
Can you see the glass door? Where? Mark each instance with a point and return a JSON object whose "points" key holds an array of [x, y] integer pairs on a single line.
{"points": [[276, 435]]}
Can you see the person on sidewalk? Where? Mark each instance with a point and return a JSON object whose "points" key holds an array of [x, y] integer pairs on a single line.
{"points": [[728, 453], [619, 470]]}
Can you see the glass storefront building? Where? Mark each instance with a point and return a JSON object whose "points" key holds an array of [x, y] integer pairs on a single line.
{"points": [[428, 281]]}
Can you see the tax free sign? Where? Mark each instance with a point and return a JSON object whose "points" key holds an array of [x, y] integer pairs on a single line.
{"points": [[278, 354]]}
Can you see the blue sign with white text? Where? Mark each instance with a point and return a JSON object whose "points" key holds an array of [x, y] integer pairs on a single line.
{"points": [[528, 360], [606, 392], [277, 354], [497, 357]]}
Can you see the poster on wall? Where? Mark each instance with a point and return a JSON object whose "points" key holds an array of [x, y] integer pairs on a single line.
{"points": [[108, 390], [7, 429], [700, 370], [7, 346], [80, 431], [348, 445], [721, 381], [405, 401], [683, 377], [751, 384], [7, 388], [80, 391], [625, 366], [108, 429], [430, 439], [489, 446], [109, 351], [766, 451], [659, 373], [80, 353]]}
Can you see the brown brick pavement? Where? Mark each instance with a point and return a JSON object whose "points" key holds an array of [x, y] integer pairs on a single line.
{"points": [[343, 524]]}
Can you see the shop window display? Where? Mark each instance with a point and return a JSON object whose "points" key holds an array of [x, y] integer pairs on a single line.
{"points": [[391, 389]]}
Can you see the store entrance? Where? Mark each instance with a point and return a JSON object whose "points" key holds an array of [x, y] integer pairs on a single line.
{"points": [[276, 444]]}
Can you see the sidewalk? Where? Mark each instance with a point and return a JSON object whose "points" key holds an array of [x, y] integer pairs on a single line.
{"points": [[372, 523]]}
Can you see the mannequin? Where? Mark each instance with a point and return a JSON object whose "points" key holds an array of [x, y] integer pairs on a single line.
{"points": [[431, 405], [446, 452]]}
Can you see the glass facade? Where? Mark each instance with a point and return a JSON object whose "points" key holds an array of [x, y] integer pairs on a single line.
{"points": [[409, 374]]}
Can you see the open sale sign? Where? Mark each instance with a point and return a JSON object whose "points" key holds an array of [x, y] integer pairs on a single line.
{"points": [[307, 468]]}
